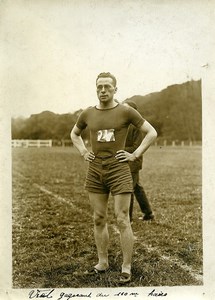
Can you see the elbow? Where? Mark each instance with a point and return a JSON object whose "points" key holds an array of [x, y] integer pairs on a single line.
{"points": [[153, 135], [72, 135]]}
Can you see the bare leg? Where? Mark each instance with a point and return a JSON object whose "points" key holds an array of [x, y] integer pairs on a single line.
{"points": [[99, 204], [122, 203]]}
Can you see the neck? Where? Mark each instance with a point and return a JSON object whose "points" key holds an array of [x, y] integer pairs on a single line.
{"points": [[107, 105]]}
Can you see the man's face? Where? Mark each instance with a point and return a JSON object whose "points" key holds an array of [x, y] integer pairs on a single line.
{"points": [[105, 89]]}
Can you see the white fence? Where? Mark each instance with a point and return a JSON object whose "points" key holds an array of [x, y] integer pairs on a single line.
{"points": [[63, 143], [31, 143], [177, 143]]}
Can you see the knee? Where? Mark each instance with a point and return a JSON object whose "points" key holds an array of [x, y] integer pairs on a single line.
{"points": [[99, 220], [123, 220]]}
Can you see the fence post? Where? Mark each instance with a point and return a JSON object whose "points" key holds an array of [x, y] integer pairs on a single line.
{"points": [[165, 143], [182, 143]]}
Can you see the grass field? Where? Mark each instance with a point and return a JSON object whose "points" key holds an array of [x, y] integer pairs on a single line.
{"points": [[53, 241]]}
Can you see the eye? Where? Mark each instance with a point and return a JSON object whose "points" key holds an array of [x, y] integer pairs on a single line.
{"points": [[106, 87]]}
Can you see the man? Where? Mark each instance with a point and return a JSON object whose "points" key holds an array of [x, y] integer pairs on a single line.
{"points": [[133, 140], [108, 167]]}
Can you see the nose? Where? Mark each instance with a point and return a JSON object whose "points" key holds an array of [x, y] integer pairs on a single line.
{"points": [[103, 89]]}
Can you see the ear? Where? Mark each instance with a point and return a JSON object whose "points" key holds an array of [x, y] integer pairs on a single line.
{"points": [[115, 90]]}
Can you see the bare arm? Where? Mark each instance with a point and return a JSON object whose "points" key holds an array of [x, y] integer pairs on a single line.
{"points": [[151, 135], [79, 144], [136, 138], [149, 138]]}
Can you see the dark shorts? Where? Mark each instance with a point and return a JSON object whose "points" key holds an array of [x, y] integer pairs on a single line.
{"points": [[107, 175]]}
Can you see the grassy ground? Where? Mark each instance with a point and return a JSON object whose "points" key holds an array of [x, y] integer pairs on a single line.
{"points": [[53, 241]]}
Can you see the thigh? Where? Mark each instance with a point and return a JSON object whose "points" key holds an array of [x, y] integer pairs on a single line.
{"points": [[119, 179], [122, 203], [93, 182], [99, 203]]}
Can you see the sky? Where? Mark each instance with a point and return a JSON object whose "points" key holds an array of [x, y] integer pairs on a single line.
{"points": [[52, 51]]}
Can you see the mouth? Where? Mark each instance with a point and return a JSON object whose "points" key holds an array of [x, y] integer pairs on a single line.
{"points": [[103, 96]]}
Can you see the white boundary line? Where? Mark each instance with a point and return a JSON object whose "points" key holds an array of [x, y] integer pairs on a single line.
{"points": [[57, 197], [175, 261], [169, 259]]}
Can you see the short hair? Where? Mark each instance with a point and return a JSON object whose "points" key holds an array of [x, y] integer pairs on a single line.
{"points": [[107, 75]]}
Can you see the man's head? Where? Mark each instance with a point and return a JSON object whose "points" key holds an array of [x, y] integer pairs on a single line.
{"points": [[106, 87], [107, 75]]}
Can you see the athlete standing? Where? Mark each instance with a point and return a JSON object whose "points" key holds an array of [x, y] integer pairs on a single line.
{"points": [[108, 170]]}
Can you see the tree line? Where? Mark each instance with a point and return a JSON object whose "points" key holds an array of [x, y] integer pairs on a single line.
{"points": [[175, 112]]}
